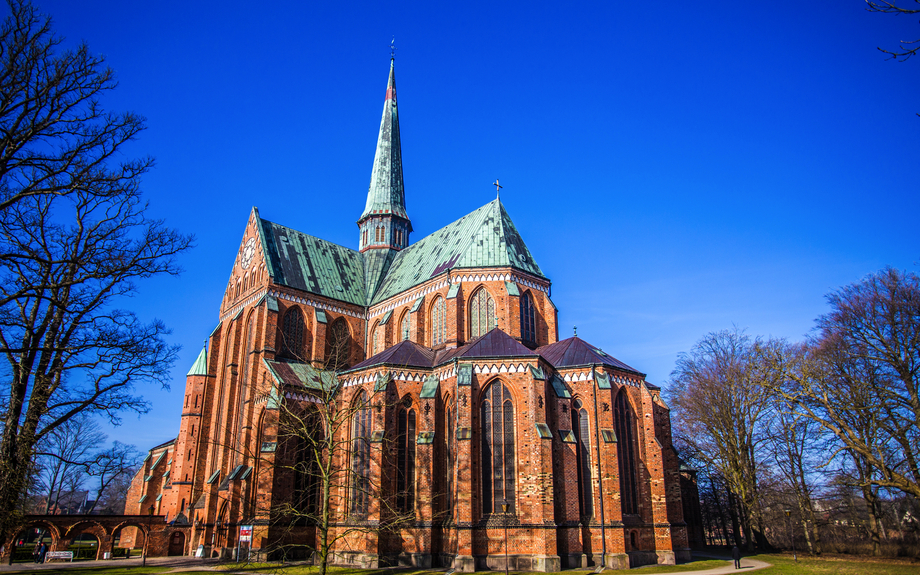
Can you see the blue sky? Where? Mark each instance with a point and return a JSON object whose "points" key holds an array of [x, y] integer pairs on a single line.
{"points": [[675, 168]]}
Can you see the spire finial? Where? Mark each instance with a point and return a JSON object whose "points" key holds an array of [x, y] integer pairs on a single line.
{"points": [[575, 330], [393, 48], [498, 188]]}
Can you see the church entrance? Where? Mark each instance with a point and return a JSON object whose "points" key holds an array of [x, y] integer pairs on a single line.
{"points": [[176, 544]]}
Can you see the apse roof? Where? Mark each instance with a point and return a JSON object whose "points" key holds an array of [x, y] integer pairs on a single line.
{"points": [[405, 353], [575, 351], [495, 343], [485, 237], [307, 263]]}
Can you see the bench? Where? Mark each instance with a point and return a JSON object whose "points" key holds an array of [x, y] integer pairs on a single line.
{"points": [[59, 555]]}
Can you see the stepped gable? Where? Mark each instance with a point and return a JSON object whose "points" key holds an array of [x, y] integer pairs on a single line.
{"points": [[403, 354], [494, 344], [309, 264], [574, 351], [485, 237]]}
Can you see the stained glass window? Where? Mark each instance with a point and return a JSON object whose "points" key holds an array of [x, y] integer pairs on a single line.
{"points": [[497, 455], [361, 457], [404, 327], [625, 422], [405, 459], [583, 443], [438, 317], [528, 320], [337, 345], [292, 334], [482, 313]]}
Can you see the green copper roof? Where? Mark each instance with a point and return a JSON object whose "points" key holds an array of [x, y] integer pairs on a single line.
{"points": [[484, 238], [313, 265], [386, 195], [200, 367], [377, 263]]}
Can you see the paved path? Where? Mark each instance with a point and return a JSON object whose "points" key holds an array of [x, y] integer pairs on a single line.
{"points": [[194, 564]]}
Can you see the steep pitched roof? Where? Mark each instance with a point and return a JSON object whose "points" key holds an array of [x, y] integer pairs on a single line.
{"points": [[307, 263], [200, 367], [295, 374], [576, 351], [386, 194], [485, 237]]}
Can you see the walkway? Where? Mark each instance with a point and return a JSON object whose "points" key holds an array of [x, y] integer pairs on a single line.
{"points": [[194, 564]]}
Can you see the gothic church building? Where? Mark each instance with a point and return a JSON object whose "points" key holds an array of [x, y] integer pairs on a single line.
{"points": [[467, 415]]}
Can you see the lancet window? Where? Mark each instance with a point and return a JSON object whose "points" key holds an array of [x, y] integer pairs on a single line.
{"points": [[438, 323], [528, 320], [624, 421], [583, 443], [360, 457], [482, 313], [405, 459], [292, 334], [337, 346], [498, 455], [404, 327]]}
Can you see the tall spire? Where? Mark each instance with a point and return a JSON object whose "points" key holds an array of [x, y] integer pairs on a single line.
{"points": [[386, 196]]}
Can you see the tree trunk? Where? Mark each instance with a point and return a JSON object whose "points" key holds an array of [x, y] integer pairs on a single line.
{"points": [[872, 523]]}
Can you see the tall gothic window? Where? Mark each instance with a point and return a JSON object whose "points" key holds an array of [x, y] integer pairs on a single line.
{"points": [[306, 466], [438, 322], [449, 463], [528, 320], [405, 459], [580, 428], [625, 424], [482, 313], [497, 449], [375, 339], [361, 457], [292, 334], [337, 345], [404, 327]]}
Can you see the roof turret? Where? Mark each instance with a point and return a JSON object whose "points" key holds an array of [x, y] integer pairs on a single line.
{"points": [[385, 195], [200, 367]]}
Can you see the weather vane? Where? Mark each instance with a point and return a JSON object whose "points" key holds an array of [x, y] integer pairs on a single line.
{"points": [[498, 188], [575, 330], [393, 48]]}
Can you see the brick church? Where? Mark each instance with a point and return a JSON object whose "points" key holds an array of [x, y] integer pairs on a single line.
{"points": [[472, 435]]}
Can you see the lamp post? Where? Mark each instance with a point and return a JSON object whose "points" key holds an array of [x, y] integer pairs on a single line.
{"points": [[147, 537], [788, 512], [505, 513]]}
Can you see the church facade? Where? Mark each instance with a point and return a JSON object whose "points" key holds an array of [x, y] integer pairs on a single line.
{"points": [[462, 432]]}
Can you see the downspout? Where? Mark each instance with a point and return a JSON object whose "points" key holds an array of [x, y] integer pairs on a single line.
{"points": [[600, 479]]}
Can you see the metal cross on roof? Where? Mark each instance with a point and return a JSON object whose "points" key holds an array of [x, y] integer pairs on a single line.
{"points": [[575, 330], [498, 187], [393, 48]]}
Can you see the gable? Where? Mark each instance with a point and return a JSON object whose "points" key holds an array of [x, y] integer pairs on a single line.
{"points": [[485, 237]]}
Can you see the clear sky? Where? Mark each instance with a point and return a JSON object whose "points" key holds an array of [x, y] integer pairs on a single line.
{"points": [[675, 168]]}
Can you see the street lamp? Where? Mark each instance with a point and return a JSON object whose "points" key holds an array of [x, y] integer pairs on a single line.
{"points": [[505, 513], [788, 512], [147, 537]]}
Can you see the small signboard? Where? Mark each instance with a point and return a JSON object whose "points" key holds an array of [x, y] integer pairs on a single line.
{"points": [[245, 533]]}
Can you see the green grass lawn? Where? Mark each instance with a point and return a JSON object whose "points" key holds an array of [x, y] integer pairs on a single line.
{"points": [[66, 569], [784, 565]]}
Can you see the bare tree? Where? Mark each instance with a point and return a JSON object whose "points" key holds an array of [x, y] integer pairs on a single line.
{"points": [[906, 48], [722, 409], [65, 455], [74, 239], [860, 378], [119, 462], [331, 438]]}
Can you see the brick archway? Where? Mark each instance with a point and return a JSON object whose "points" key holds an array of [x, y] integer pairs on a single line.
{"points": [[64, 528]]}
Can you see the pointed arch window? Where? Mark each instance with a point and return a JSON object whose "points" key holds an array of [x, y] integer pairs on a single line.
{"points": [[482, 313], [583, 446], [449, 462], [360, 457], [624, 421], [375, 336], [292, 334], [404, 327], [438, 322], [528, 320], [405, 459], [498, 474], [337, 345]]}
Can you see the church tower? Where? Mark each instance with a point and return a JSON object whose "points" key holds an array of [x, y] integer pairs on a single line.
{"points": [[384, 226]]}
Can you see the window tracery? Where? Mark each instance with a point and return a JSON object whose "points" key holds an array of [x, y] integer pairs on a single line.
{"points": [[497, 451], [482, 313]]}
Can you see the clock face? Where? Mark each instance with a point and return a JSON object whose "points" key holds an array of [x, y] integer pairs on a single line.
{"points": [[247, 252]]}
